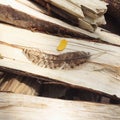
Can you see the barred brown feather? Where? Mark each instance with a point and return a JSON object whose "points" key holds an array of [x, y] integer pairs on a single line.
{"points": [[64, 61]]}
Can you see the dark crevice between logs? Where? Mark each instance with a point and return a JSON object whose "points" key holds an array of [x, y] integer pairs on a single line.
{"points": [[114, 9], [112, 25], [51, 89]]}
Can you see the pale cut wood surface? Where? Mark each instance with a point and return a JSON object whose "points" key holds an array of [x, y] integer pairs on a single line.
{"points": [[95, 7], [108, 36], [93, 75], [23, 107]]}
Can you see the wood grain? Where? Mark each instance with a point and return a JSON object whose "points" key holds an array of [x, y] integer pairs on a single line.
{"points": [[23, 107], [87, 15], [19, 84], [103, 76]]}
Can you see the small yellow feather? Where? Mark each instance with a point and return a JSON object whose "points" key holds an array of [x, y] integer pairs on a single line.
{"points": [[62, 45]]}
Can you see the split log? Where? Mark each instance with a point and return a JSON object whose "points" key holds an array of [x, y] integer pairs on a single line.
{"points": [[33, 108], [93, 8], [103, 67], [20, 15], [19, 84], [101, 33], [107, 36], [86, 15]]}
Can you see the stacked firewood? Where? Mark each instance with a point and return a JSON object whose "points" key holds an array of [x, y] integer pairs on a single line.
{"points": [[84, 14], [33, 70], [71, 18], [66, 18]]}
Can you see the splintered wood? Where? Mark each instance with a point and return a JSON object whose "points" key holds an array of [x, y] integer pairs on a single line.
{"points": [[23, 16], [56, 48], [19, 84], [24, 107], [101, 61], [27, 16], [90, 17], [89, 14]]}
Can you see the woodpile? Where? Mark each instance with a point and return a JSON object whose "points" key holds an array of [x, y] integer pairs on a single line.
{"points": [[61, 57], [18, 15], [87, 15]]}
